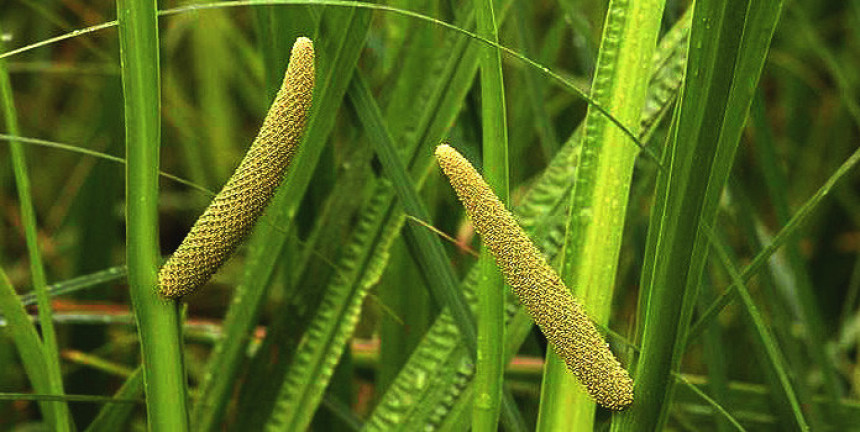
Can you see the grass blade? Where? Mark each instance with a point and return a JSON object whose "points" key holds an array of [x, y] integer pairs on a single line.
{"points": [[716, 356], [425, 245], [350, 287], [489, 368], [723, 413], [751, 405], [535, 88], [775, 179], [428, 247], [320, 348], [29, 345], [441, 108], [601, 190], [61, 419]]}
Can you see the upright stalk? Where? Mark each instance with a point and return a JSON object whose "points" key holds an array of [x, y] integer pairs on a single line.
{"points": [[599, 201], [491, 301], [158, 319]]}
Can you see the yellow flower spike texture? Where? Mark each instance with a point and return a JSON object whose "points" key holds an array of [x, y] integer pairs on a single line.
{"points": [[232, 213], [564, 322]]}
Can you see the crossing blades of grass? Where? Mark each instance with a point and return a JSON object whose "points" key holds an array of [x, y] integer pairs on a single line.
{"points": [[723, 69], [775, 362], [790, 229], [425, 245], [113, 417], [723, 413], [336, 317], [440, 275]]}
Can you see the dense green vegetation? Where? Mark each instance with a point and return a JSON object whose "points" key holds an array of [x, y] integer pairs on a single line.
{"points": [[687, 168]]}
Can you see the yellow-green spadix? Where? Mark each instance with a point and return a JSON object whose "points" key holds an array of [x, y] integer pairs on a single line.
{"points": [[564, 322], [232, 213]]}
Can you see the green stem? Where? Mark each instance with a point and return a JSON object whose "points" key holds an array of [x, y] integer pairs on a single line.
{"points": [[158, 320], [491, 319], [37, 268]]}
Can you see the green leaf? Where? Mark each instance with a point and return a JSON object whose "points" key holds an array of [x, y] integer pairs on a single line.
{"points": [[598, 207], [723, 413], [490, 362], [751, 405], [427, 247]]}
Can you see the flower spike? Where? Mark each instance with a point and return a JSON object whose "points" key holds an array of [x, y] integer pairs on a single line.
{"points": [[232, 213], [564, 322]]}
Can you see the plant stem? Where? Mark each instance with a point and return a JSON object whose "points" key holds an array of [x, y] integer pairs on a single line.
{"points": [[157, 319]]}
